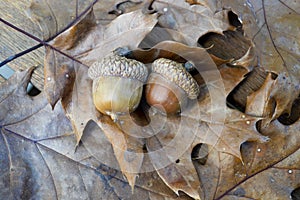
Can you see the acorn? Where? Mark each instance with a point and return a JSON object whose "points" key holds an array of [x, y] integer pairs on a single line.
{"points": [[170, 86], [117, 84]]}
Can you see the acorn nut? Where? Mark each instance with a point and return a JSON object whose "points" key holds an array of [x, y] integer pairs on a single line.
{"points": [[169, 87], [117, 84]]}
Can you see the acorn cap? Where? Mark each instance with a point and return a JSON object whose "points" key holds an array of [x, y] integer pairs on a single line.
{"points": [[115, 65], [176, 73]]}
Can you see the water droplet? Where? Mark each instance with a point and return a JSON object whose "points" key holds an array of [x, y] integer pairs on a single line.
{"points": [[243, 116], [258, 150], [290, 171], [248, 122], [67, 75], [165, 9], [49, 79]]}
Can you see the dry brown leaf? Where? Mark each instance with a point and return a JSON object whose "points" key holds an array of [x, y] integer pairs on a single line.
{"points": [[38, 159], [276, 43], [207, 121], [79, 42], [75, 90], [187, 23], [14, 98], [130, 162], [273, 165], [59, 76], [54, 16], [95, 141], [231, 47], [169, 152], [225, 177], [226, 129], [257, 103], [78, 104]]}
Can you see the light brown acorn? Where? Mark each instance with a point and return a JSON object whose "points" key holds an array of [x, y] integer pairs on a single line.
{"points": [[117, 84], [169, 87]]}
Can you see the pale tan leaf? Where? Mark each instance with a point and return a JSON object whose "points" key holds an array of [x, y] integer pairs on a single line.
{"points": [[170, 153], [130, 162], [78, 104], [126, 30]]}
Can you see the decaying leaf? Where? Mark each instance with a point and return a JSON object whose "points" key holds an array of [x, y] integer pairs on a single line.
{"points": [[130, 162], [75, 90], [15, 104], [78, 104], [54, 16], [226, 129], [276, 40], [79, 41], [240, 152], [188, 22], [38, 159], [171, 158]]}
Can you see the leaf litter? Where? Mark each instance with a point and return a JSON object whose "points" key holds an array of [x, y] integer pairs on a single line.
{"points": [[236, 159]]}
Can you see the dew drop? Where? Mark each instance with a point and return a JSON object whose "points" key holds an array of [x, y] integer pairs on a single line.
{"points": [[67, 75], [258, 150], [290, 171], [165, 9], [49, 79], [248, 122], [243, 116]]}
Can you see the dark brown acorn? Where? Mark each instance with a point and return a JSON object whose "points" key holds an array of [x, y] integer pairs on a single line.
{"points": [[169, 87]]}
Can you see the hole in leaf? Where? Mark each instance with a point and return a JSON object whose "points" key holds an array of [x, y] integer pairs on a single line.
{"points": [[237, 98], [230, 45], [145, 148], [289, 119], [234, 20], [32, 90], [200, 153], [246, 150], [258, 126], [296, 194]]}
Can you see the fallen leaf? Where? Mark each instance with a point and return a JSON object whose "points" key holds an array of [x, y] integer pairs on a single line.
{"points": [[183, 20], [256, 102], [14, 99], [231, 46], [238, 154], [59, 76], [38, 159], [54, 16], [274, 36], [130, 162], [273, 164], [225, 129], [78, 104], [79, 42], [172, 159]]}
